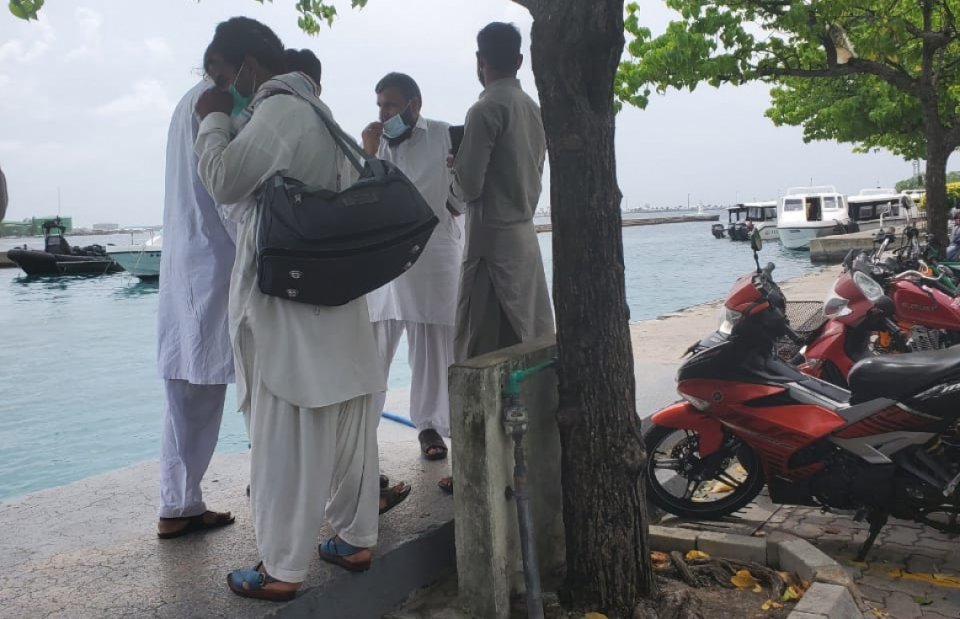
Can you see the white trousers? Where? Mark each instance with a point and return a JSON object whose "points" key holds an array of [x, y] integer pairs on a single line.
{"points": [[308, 465], [191, 426], [430, 356]]}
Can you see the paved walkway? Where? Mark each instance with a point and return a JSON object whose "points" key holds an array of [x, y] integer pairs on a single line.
{"points": [[912, 570]]}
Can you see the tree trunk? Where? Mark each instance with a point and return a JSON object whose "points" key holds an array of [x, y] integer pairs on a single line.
{"points": [[938, 211], [576, 48]]}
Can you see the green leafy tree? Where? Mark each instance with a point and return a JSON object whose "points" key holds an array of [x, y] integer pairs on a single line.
{"points": [[877, 73], [576, 47]]}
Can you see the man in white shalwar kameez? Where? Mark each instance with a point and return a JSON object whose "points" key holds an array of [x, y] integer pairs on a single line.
{"points": [[194, 351], [305, 373], [421, 302]]}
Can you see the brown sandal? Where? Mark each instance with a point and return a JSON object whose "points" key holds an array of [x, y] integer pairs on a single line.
{"points": [[198, 523], [432, 446], [393, 496]]}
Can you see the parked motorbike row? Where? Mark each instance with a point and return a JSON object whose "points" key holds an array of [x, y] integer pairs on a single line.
{"points": [[863, 419]]}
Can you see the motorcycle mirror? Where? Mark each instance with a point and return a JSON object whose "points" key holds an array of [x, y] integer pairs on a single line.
{"points": [[756, 244]]}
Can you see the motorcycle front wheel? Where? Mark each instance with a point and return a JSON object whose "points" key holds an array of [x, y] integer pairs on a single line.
{"points": [[681, 483]]}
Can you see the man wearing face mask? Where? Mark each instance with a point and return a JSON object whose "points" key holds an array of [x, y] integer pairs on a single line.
{"points": [[195, 353], [422, 301]]}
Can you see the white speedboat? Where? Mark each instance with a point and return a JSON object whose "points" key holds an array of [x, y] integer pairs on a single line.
{"points": [[743, 219], [872, 209], [142, 261], [763, 216], [807, 213]]}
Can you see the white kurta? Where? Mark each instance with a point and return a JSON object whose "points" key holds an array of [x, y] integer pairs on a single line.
{"points": [[195, 264], [427, 293], [310, 356]]}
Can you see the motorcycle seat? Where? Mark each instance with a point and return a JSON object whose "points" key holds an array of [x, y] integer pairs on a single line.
{"points": [[898, 376]]}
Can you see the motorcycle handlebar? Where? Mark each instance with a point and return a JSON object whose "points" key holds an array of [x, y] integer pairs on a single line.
{"points": [[912, 273]]}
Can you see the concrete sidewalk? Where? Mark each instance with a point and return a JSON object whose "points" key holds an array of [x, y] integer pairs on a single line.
{"points": [[89, 549]]}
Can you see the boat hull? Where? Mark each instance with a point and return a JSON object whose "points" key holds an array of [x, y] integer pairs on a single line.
{"points": [[768, 231], [799, 237], [34, 262], [144, 264]]}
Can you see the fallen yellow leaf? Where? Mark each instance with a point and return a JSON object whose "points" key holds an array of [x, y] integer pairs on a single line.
{"points": [[880, 614], [697, 555], [939, 580], [757, 588], [791, 594], [771, 604], [594, 616], [744, 580], [721, 488]]}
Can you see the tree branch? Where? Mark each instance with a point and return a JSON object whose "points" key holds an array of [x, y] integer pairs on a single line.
{"points": [[855, 66]]}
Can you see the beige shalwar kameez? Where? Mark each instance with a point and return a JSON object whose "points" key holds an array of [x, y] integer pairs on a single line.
{"points": [[503, 296]]}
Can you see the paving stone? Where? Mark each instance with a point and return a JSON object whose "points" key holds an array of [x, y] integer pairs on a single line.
{"points": [[666, 539], [833, 601], [836, 575], [802, 615], [733, 546], [901, 535], [930, 614], [902, 606], [802, 558], [919, 564], [873, 595]]}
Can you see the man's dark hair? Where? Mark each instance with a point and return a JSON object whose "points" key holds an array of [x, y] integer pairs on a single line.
{"points": [[306, 61], [239, 37], [499, 45], [402, 82]]}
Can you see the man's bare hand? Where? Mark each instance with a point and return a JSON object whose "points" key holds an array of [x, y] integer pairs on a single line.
{"points": [[214, 100], [371, 138]]}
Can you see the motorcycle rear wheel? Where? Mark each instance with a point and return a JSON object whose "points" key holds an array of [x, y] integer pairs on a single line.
{"points": [[670, 450]]}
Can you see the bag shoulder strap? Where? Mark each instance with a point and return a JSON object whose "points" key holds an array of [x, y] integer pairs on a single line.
{"points": [[351, 150]]}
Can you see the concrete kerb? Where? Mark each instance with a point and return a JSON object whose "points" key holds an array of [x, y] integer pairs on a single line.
{"points": [[833, 594]]}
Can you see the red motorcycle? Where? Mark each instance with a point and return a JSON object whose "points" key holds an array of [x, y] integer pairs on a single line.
{"points": [[909, 313], [888, 447]]}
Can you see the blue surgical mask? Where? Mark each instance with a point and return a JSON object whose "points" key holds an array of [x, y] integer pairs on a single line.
{"points": [[395, 126], [239, 101]]}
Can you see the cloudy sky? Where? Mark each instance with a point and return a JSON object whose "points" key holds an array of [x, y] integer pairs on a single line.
{"points": [[86, 96]]}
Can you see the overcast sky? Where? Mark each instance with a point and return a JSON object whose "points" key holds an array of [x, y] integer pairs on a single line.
{"points": [[86, 96]]}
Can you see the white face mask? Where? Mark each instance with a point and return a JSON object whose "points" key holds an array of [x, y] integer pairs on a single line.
{"points": [[395, 126]]}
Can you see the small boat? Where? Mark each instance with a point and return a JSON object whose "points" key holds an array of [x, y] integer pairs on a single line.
{"points": [[806, 213], [143, 261], [743, 218], [59, 258], [872, 209]]}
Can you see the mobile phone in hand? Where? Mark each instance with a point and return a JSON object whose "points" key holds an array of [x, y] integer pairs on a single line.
{"points": [[456, 136]]}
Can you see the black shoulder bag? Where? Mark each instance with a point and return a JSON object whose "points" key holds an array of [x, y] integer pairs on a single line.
{"points": [[323, 247]]}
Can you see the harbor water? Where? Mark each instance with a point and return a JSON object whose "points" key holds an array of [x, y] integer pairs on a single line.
{"points": [[79, 389]]}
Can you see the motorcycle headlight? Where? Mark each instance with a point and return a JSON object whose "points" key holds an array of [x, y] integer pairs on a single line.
{"points": [[868, 286], [728, 320]]}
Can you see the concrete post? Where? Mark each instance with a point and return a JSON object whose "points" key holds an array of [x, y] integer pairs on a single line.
{"points": [[489, 563]]}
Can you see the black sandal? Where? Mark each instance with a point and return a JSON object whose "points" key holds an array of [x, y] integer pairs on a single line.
{"points": [[394, 496], [432, 446]]}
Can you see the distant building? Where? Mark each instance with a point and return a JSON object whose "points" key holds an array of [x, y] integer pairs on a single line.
{"points": [[32, 226]]}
